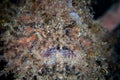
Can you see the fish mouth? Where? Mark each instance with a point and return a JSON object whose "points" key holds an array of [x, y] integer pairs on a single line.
{"points": [[64, 51], [64, 58], [59, 55]]}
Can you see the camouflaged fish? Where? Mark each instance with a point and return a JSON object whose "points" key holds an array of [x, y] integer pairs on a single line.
{"points": [[55, 40]]}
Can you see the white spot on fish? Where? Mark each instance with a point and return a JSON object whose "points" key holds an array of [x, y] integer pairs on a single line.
{"points": [[76, 17]]}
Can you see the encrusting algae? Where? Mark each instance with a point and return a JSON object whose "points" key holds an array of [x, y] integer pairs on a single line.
{"points": [[55, 40]]}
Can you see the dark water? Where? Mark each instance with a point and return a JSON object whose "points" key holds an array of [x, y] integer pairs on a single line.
{"points": [[100, 7]]}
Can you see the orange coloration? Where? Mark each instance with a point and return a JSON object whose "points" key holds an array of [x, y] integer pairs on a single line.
{"points": [[38, 30], [29, 30], [31, 38], [25, 40]]}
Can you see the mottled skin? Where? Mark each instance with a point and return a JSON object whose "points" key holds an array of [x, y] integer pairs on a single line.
{"points": [[46, 42]]}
